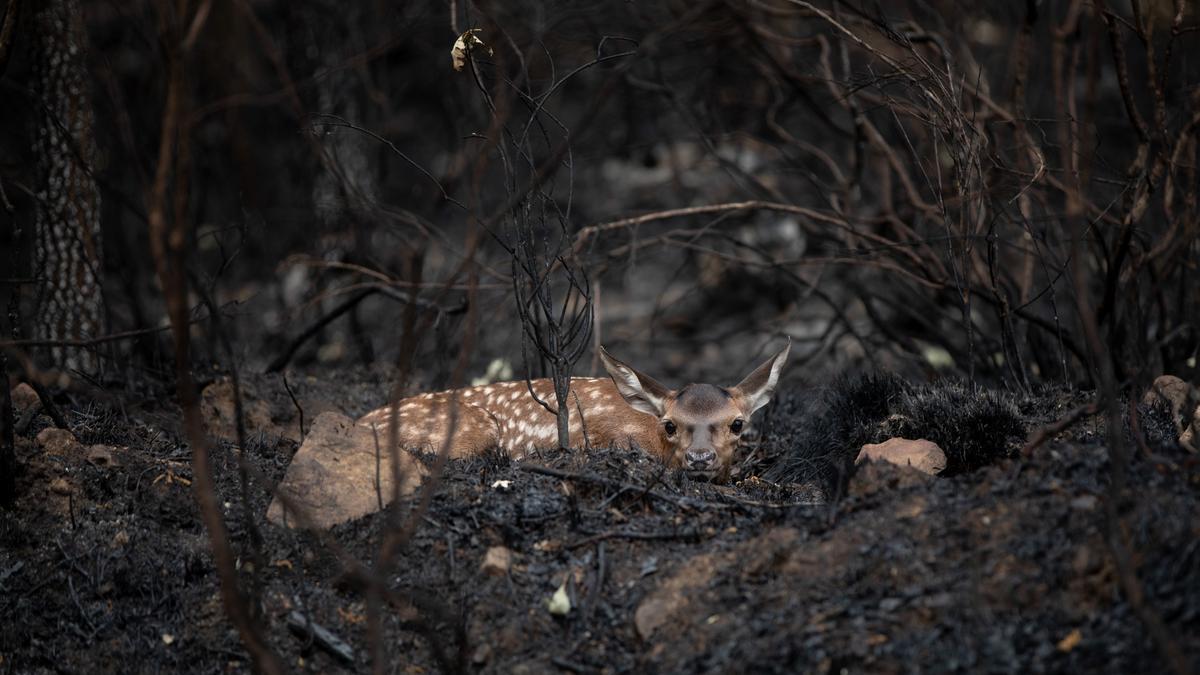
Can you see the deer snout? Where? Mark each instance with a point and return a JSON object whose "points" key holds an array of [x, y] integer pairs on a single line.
{"points": [[701, 459]]}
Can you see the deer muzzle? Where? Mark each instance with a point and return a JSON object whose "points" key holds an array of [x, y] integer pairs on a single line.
{"points": [[700, 459]]}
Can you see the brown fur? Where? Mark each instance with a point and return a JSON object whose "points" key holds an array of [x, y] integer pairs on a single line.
{"points": [[702, 415], [503, 415], [631, 409]]}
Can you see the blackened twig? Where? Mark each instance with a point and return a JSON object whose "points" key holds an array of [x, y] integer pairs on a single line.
{"points": [[681, 502], [283, 359], [303, 626], [691, 535], [299, 409], [348, 304], [1039, 437], [48, 404], [8, 455]]}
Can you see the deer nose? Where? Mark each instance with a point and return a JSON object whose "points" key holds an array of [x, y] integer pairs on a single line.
{"points": [[701, 459]]}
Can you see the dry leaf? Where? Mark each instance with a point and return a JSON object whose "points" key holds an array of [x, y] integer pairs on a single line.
{"points": [[463, 45], [350, 616], [559, 604], [1071, 641]]}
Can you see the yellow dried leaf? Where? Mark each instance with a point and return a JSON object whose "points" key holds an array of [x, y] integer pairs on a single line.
{"points": [[462, 47], [1071, 641], [350, 616]]}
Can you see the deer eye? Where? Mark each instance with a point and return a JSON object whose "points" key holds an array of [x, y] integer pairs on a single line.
{"points": [[669, 427], [736, 427]]}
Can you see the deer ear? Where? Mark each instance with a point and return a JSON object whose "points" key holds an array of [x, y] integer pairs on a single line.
{"points": [[639, 390], [759, 385]]}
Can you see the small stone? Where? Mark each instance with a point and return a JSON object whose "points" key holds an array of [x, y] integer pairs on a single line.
{"points": [[1170, 390], [482, 654], [890, 605], [101, 456], [220, 418], [1085, 562], [650, 615], [497, 561], [1184, 402], [922, 455], [57, 441], [60, 486], [1084, 503], [24, 398], [121, 538], [548, 546]]}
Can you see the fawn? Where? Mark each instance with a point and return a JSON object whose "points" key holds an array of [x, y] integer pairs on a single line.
{"points": [[696, 427]]}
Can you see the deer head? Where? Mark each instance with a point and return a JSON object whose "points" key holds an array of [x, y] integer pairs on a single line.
{"points": [[698, 425]]}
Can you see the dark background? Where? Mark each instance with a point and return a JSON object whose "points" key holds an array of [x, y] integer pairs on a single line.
{"points": [[320, 132]]}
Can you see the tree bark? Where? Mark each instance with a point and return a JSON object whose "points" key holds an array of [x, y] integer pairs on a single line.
{"points": [[67, 250]]}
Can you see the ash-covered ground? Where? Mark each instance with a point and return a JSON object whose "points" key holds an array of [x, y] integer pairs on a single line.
{"points": [[802, 564]]}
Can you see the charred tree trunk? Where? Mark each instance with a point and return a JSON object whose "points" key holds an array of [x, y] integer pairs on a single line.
{"points": [[8, 455], [67, 259]]}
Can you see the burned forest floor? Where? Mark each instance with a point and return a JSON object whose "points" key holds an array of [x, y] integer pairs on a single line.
{"points": [[600, 561]]}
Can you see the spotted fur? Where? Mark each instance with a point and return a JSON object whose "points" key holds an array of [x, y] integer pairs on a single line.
{"points": [[690, 428], [504, 415]]}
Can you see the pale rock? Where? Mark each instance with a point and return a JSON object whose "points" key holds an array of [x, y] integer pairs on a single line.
{"points": [[220, 419], [1191, 430], [57, 441], [337, 476], [102, 456], [497, 561], [922, 455], [24, 398], [654, 612], [60, 486], [1168, 389], [1180, 396]]}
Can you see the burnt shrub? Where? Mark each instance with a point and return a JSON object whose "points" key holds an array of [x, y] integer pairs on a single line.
{"points": [[817, 438]]}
